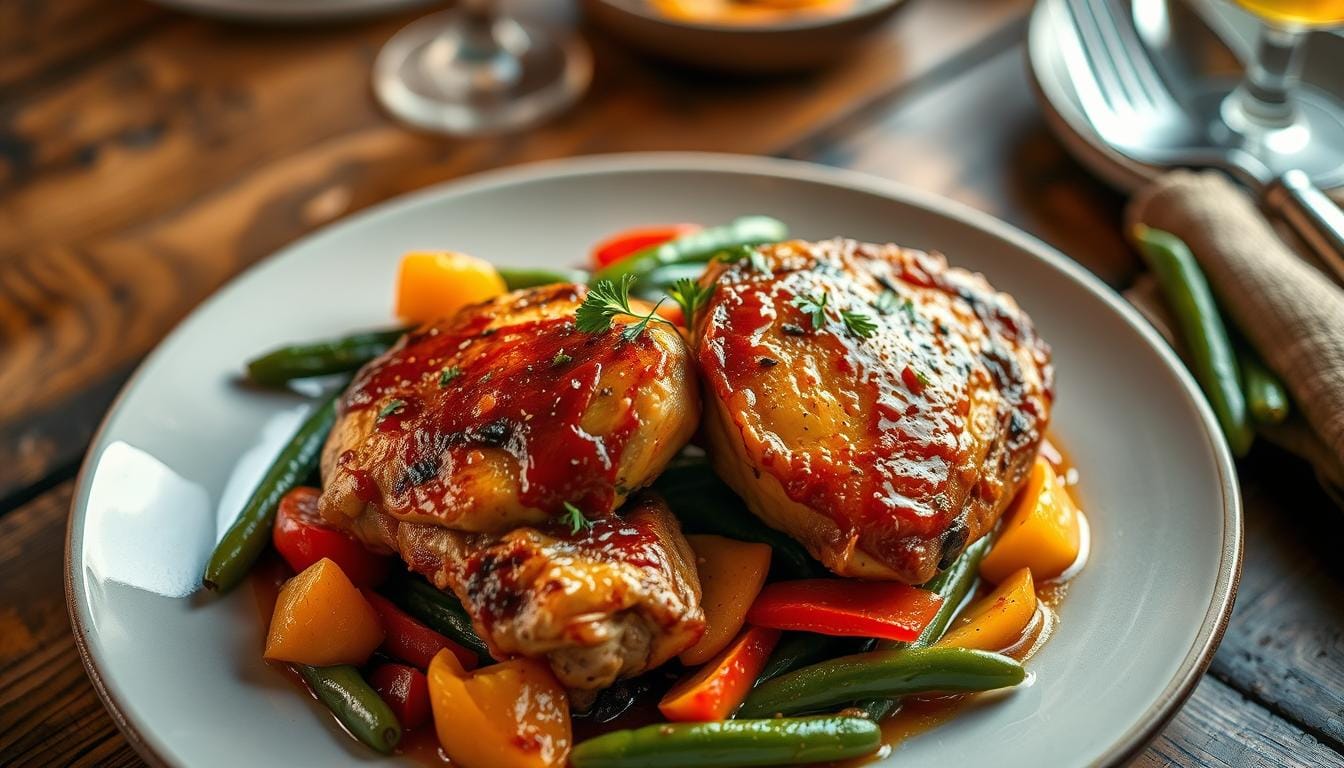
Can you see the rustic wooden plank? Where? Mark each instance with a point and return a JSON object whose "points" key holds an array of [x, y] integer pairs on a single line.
{"points": [[49, 714], [1285, 646], [980, 138], [42, 35], [1218, 727], [178, 189]]}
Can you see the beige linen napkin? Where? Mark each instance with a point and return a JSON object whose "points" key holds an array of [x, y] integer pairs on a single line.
{"points": [[1290, 311]]}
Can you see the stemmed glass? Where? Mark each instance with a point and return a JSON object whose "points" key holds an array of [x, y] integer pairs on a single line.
{"points": [[1286, 125], [476, 69]]}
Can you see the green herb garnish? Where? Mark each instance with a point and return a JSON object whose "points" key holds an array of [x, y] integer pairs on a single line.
{"points": [[574, 516], [605, 301], [814, 307], [691, 297], [393, 406], [886, 303], [448, 374], [858, 323], [560, 359]]}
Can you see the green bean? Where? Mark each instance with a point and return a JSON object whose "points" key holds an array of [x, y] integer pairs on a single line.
{"points": [[700, 246], [1266, 396], [322, 358], [359, 708], [781, 741], [953, 584], [531, 277], [705, 504], [251, 532], [800, 649], [440, 610], [885, 674], [1201, 327]]}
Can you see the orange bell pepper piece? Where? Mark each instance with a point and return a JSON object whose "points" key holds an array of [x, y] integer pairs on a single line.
{"points": [[731, 575], [1041, 530], [719, 687], [435, 284], [996, 621], [321, 619], [513, 714]]}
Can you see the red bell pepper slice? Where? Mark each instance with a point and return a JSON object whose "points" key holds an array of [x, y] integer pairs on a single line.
{"points": [[302, 538], [630, 241], [718, 688], [409, 640], [885, 610], [406, 691]]}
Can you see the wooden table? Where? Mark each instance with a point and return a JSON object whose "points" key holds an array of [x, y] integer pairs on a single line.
{"points": [[146, 157]]}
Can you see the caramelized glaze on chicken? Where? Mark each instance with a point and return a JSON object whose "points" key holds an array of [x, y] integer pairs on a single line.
{"points": [[605, 602], [884, 450], [500, 415], [462, 447]]}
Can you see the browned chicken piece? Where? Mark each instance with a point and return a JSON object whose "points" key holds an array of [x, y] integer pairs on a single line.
{"points": [[500, 415], [604, 602], [471, 446], [877, 405]]}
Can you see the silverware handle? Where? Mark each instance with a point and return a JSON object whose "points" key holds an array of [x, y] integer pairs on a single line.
{"points": [[1312, 215]]}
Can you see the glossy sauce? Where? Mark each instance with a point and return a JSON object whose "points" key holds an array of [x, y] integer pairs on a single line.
{"points": [[917, 715], [894, 434], [457, 388]]}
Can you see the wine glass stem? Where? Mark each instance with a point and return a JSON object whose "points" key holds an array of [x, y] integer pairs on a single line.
{"points": [[1263, 98]]}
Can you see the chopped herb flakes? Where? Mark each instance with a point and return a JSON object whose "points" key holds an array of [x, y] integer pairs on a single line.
{"points": [[574, 517], [393, 406], [447, 375]]}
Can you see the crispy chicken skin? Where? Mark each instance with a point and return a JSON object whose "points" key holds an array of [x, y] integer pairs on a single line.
{"points": [[605, 602], [885, 452], [460, 448], [498, 416]]}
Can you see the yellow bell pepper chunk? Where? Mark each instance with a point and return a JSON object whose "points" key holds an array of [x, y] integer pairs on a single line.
{"points": [[321, 619], [1040, 530], [998, 620], [436, 284], [731, 575], [513, 714]]}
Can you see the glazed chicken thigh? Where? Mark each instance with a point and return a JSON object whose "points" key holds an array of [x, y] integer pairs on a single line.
{"points": [[869, 400], [492, 450], [604, 602]]}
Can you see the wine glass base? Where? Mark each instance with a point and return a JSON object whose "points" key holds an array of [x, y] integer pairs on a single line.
{"points": [[436, 75], [1313, 142]]}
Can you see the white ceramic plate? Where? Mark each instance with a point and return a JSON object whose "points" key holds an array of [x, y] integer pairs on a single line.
{"points": [[183, 676]]}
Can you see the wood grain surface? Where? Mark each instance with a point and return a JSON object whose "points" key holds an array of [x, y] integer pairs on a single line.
{"points": [[146, 157]]}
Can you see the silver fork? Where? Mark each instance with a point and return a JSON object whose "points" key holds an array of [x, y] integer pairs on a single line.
{"points": [[1130, 107]]}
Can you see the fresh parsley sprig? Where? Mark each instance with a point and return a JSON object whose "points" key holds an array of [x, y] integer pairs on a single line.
{"points": [[606, 301], [691, 297], [574, 516], [814, 306], [858, 324]]}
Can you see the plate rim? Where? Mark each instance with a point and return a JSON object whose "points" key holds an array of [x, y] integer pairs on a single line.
{"points": [[1215, 620]]}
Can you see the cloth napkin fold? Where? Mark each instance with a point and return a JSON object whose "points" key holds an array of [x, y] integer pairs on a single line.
{"points": [[1289, 310]]}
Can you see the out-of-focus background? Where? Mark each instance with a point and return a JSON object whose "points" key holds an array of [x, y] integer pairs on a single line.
{"points": [[148, 154]]}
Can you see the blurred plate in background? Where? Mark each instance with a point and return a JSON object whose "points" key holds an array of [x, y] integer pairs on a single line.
{"points": [[290, 11], [795, 43]]}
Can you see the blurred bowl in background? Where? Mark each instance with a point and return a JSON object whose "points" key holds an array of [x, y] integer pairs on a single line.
{"points": [[794, 43]]}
